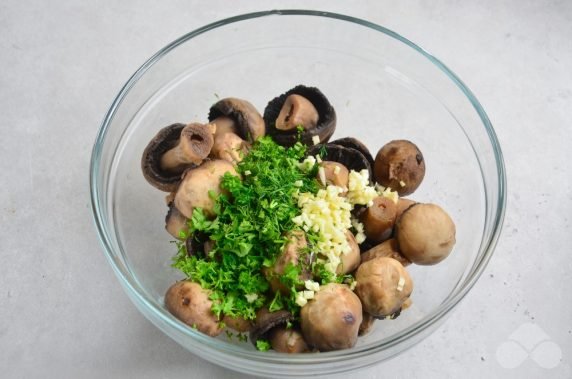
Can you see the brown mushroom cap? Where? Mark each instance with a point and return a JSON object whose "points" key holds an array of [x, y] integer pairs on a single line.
{"points": [[175, 222], [388, 249], [402, 205], [379, 218], [266, 320], [287, 340], [190, 303], [331, 320], [239, 324], [400, 165], [425, 234], [324, 129], [166, 139], [198, 186], [383, 285], [351, 260], [366, 325], [248, 121]]}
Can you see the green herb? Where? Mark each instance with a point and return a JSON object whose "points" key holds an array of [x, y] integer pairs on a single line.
{"points": [[252, 219], [263, 345], [242, 337]]}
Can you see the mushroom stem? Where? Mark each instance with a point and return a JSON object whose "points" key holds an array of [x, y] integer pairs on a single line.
{"points": [[297, 111], [194, 145]]}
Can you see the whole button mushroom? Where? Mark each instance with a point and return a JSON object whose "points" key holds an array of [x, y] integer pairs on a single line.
{"points": [[238, 324], [354, 143], [425, 234], [266, 321], [351, 158], [366, 325], [164, 140], [175, 222], [247, 120], [172, 150], [190, 303], [388, 249], [194, 146], [287, 340], [228, 145], [400, 165], [402, 205], [351, 260], [278, 110], [297, 111], [379, 218], [383, 285], [200, 186], [331, 320]]}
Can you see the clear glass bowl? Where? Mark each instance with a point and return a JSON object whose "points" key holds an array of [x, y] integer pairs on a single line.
{"points": [[383, 87]]}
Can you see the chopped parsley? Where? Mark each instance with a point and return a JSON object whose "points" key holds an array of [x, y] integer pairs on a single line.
{"points": [[263, 345], [253, 217]]}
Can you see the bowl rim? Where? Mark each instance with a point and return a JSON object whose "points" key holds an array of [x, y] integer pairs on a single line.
{"points": [[133, 287]]}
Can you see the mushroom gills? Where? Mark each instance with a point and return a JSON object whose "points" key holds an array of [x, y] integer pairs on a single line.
{"points": [[351, 158], [326, 122], [166, 139], [356, 144], [247, 119]]}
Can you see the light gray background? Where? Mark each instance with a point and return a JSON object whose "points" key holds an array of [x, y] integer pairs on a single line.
{"points": [[62, 312]]}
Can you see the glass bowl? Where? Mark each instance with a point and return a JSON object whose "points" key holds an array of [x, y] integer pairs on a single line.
{"points": [[383, 87]]}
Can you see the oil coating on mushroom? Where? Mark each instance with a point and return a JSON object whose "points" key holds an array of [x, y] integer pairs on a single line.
{"points": [[331, 320], [383, 285], [425, 234], [190, 303], [200, 186], [400, 165]]}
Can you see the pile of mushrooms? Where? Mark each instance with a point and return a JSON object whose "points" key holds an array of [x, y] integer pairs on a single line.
{"points": [[189, 160]]}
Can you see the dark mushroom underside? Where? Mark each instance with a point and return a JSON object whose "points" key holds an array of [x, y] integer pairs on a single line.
{"points": [[326, 118], [355, 144], [266, 320], [164, 140], [349, 157]]}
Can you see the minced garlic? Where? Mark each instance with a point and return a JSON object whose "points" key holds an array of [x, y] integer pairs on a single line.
{"points": [[387, 192], [329, 215], [316, 139], [400, 284], [359, 190], [251, 297]]}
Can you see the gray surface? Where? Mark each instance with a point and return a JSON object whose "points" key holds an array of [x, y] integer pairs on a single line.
{"points": [[62, 312]]}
